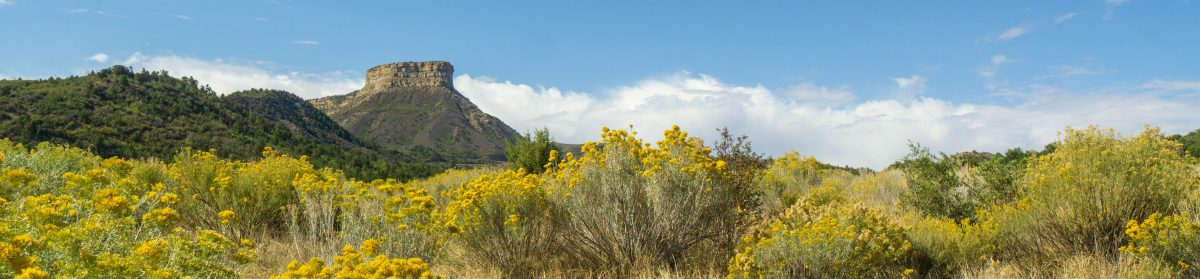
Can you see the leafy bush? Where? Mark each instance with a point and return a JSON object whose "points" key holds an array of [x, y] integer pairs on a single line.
{"points": [[934, 185], [532, 152], [824, 240]]}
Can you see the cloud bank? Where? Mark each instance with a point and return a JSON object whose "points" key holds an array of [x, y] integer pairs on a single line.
{"points": [[820, 122], [830, 122], [230, 76]]}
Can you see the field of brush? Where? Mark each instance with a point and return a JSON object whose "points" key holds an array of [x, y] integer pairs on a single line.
{"points": [[1093, 204]]}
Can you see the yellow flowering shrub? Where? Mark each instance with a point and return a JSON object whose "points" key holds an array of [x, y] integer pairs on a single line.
{"points": [[257, 192], [1173, 240], [502, 221], [946, 245], [364, 262], [99, 219], [1082, 194], [333, 210], [834, 240], [626, 203], [788, 179]]}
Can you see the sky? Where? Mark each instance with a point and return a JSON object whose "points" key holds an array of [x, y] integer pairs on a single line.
{"points": [[851, 83]]}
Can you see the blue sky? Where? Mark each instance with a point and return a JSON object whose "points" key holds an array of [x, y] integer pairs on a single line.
{"points": [[831, 64]]}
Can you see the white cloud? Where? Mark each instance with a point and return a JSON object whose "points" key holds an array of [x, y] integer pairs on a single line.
{"points": [[231, 76], [306, 42], [183, 17], [1115, 3], [909, 88], [1064, 17], [5, 2], [812, 93], [870, 133], [1071, 71], [991, 70], [1173, 85], [98, 57], [1012, 33], [1112, 7], [263, 19], [98, 12]]}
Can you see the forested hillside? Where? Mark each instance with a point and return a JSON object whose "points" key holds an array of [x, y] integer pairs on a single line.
{"points": [[119, 112]]}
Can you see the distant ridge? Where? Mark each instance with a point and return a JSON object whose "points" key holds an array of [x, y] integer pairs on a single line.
{"points": [[413, 107]]}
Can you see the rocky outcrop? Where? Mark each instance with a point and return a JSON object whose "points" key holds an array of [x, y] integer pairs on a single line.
{"points": [[413, 105], [410, 74]]}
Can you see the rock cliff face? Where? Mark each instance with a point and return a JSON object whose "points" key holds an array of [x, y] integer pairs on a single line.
{"points": [[413, 106]]}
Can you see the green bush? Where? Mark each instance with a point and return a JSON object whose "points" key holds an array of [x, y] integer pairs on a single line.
{"points": [[532, 152], [934, 185]]}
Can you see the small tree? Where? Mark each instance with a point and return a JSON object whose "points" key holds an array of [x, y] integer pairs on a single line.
{"points": [[532, 151]]}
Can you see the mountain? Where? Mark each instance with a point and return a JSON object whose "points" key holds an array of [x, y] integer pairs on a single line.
{"points": [[117, 112], [413, 107]]}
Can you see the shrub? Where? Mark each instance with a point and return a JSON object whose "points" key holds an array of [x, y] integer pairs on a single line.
{"points": [[502, 221], [1172, 240], [945, 246], [532, 152], [101, 219], [831, 240], [787, 180], [256, 191], [1082, 194], [365, 262], [625, 205], [934, 185], [333, 211]]}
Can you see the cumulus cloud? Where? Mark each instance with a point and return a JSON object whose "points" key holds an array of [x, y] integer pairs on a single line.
{"points": [[812, 93], [230, 76], [99, 57], [871, 133], [5, 2]]}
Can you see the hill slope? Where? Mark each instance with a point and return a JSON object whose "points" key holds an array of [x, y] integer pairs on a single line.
{"points": [[116, 112], [413, 106]]}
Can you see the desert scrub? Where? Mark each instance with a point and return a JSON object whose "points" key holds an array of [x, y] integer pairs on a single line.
{"points": [[625, 204], [365, 262], [1171, 240], [333, 211], [1082, 194], [828, 239], [944, 246], [256, 191], [100, 219], [502, 222], [787, 179]]}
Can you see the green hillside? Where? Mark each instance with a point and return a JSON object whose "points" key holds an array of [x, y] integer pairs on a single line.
{"points": [[119, 112]]}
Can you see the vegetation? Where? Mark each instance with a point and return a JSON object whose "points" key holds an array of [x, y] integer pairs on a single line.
{"points": [[532, 152], [119, 112], [1099, 205]]}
